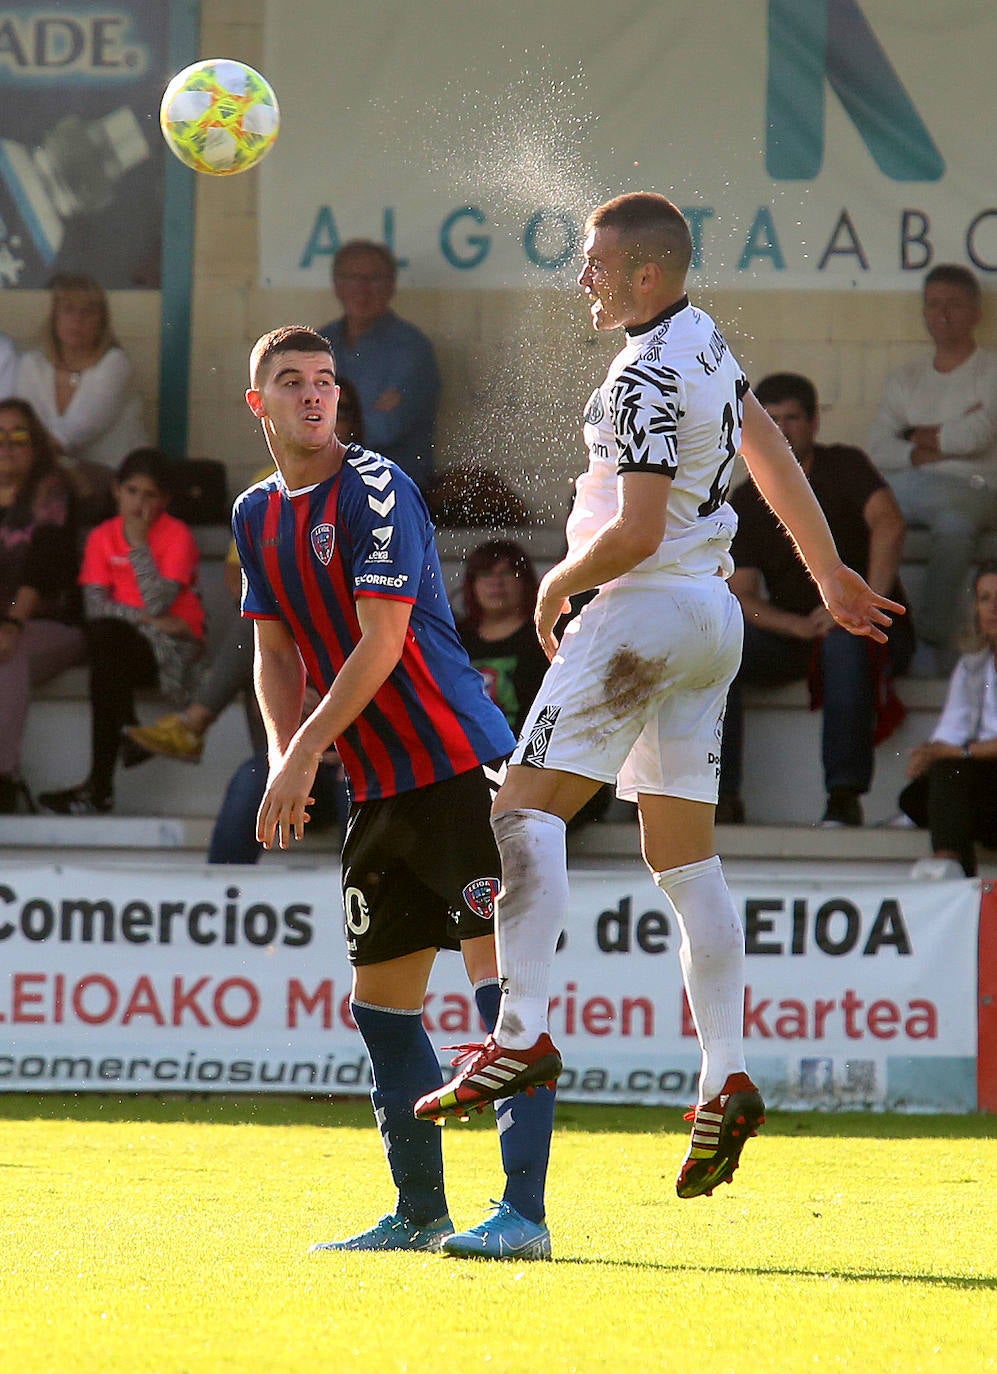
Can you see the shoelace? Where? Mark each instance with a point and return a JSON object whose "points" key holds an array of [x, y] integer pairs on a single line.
{"points": [[465, 1053]]}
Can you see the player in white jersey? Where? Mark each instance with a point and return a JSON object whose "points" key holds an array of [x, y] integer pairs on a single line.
{"points": [[636, 689]]}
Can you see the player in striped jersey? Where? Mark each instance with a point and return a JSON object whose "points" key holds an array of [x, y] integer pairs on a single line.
{"points": [[343, 581], [636, 689]]}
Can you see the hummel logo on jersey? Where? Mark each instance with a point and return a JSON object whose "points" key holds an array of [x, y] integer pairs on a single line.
{"points": [[374, 471], [323, 542], [539, 740], [382, 538], [480, 896]]}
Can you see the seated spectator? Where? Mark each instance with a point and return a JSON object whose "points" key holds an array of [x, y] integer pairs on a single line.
{"points": [[499, 596], [40, 632], [180, 735], [389, 361], [954, 789], [788, 633], [233, 839], [80, 383], [144, 618], [935, 438]]}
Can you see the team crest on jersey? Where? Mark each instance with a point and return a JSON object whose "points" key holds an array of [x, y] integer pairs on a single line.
{"points": [[480, 897], [323, 542], [539, 740], [595, 410]]}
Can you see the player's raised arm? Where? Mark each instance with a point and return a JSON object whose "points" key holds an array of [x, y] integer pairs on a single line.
{"points": [[782, 482]]}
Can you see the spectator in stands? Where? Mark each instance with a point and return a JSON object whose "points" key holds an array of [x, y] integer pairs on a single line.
{"points": [[145, 621], [788, 633], [40, 632], [180, 735], [80, 383], [389, 361], [935, 438], [499, 597], [233, 838], [953, 792], [9, 363]]}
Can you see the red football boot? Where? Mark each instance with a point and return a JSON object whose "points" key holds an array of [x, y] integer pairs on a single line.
{"points": [[488, 1072]]}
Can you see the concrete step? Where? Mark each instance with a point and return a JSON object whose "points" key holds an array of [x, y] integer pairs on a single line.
{"points": [[756, 850], [56, 754]]}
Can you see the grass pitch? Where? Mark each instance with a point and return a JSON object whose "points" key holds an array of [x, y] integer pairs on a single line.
{"points": [[170, 1236]]}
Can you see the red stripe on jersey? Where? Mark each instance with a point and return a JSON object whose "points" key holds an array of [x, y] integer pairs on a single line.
{"points": [[392, 703], [370, 742], [385, 596], [271, 566], [452, 734]]}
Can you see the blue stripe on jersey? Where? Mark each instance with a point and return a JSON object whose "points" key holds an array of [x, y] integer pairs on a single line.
{"points": [[366, 531]]}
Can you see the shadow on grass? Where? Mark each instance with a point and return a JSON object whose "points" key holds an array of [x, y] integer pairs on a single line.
{"points": [[273, 1109], [964, 1281]]}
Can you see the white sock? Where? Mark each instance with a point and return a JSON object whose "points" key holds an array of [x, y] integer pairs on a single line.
{"points": [[712, 960], [529, 915]]}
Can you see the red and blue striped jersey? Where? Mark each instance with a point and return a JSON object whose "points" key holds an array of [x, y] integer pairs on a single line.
{"points": [[306, 557]]}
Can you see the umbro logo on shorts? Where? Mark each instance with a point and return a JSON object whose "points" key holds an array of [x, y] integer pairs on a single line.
{"points": [[539, 739]]}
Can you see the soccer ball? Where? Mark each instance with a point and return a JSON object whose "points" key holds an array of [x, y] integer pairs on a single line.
{"points": [[219, 116]]}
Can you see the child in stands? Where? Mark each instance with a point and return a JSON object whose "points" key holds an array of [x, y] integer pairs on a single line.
{"points": [[144, 618]]}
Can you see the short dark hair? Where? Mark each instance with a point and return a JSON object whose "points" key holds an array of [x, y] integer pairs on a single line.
{"points": [[954, 274], [354, 247], [148, 462], [289, 338], [657, 229], [787, 386]]}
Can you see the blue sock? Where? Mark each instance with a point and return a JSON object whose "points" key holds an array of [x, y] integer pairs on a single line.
{"points": [[405, 1066], [524, 1126]]}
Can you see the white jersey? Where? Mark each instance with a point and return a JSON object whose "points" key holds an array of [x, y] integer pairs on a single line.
{"points": [[672, 403]]}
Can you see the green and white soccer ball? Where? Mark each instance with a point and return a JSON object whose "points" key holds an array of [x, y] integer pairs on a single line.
{"points": [[219, 116]]}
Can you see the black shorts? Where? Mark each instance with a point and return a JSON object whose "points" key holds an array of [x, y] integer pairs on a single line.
{"points": [[421, 869]]}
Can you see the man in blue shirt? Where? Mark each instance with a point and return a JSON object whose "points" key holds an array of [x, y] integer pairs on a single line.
{"points": [[388, 360], [343, 582]]}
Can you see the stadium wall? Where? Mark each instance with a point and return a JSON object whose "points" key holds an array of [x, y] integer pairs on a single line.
{"points": [[522, 419]]}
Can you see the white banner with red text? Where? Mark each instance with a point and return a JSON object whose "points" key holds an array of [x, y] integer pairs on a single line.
{"points": [[859, 994]]}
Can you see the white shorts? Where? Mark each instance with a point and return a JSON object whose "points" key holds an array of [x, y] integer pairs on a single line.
{"points": [[637, 691]]}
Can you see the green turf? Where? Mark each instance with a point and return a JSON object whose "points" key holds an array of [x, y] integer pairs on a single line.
{"points": [[170, 1236]]}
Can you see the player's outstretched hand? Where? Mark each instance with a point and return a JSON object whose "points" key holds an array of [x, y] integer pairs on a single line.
{"points": [[855, 606], [283, 812]]}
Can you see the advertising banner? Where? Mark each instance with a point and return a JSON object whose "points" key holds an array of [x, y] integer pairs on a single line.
{"points": [[234, 979], [81, 157], [812, 143]]}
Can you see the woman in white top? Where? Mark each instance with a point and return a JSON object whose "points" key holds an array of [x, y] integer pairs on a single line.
{"points": [[80, 384], [954, 787]]}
